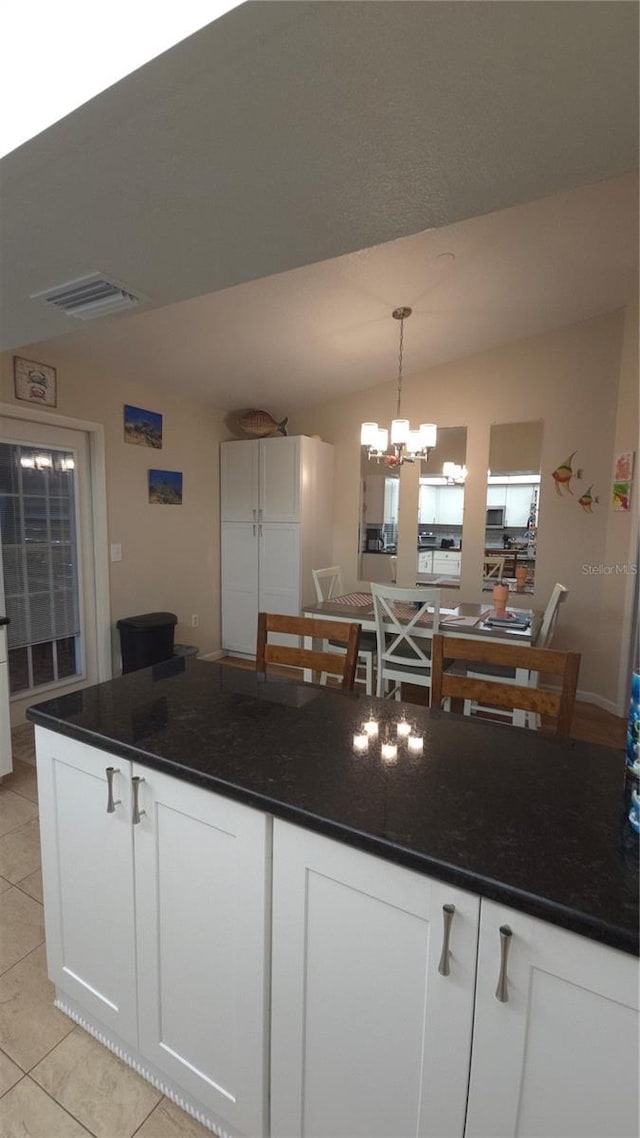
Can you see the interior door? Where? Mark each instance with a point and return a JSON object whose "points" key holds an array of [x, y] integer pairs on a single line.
{"points": [[47, 552]]}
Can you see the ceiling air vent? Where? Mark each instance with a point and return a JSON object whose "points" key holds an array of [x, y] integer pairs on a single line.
{"points": [[89, 297]]}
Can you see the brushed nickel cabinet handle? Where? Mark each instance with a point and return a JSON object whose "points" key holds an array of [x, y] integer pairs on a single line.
{"points": [[447, 913], [111, 802], [136, 813], [502, 991]]}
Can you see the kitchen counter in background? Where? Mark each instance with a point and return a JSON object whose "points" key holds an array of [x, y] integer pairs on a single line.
{"points": [[536, 823]]}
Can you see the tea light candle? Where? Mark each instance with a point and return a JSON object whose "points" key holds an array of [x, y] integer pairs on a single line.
{"points": [[403, 729], [371, 728], [389, 752], [416, 744], [361, 743]]}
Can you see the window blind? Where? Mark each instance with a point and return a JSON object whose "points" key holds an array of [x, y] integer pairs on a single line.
{"points": [[39, 543]]}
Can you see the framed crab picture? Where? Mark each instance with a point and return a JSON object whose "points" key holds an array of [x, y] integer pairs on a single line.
{"points": [[34, 382]]}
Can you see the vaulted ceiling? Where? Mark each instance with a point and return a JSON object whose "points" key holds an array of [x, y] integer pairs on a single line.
{"points": [[312, 134]]}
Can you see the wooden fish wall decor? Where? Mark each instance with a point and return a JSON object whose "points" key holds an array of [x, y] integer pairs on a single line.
{"points": [[259, 424], [562, 477], [563, 474]]}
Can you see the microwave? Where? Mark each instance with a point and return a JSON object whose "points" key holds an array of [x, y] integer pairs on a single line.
{"points": [[495, 516]]}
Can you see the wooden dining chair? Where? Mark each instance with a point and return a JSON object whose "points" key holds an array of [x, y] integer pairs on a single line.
{"points": [[462, 655], [292, 656]]}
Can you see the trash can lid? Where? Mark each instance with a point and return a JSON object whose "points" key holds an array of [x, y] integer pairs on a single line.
{"points": [[147, 620]]}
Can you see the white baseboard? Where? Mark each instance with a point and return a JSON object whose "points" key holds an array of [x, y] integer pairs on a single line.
{"points": [[600, 701]]}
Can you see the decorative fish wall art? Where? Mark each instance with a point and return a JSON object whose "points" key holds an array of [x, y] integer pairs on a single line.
{"points": [[259, 424], [563, 474], [588, 500]]}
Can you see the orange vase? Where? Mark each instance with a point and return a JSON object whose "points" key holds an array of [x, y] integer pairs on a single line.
{"points": [[521, 576], [500, 598]]}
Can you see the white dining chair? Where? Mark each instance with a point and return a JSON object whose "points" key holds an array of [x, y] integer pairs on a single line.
{"points": [[508, 676], [328, 584], [403, 635], [493, 567]]}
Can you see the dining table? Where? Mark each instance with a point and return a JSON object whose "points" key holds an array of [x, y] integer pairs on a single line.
{"points": [[467, 619]]}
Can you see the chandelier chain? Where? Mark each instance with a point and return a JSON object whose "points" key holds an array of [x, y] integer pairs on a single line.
{"points": [[400, 365]]}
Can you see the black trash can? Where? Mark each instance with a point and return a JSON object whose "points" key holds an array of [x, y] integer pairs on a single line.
{"points": [[146, 639]]}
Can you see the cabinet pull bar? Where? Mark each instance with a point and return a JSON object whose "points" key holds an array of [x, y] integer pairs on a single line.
{"points": [[136, 813], [502, 991], [447, 913], [254, 515], [254, 527], [111, 802]]}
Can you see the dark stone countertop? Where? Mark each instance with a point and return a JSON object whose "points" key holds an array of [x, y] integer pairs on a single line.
{"points": [[4, 620], [535, 822]]}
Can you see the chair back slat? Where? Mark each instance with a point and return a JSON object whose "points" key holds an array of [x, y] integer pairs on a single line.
{"points": [[327, 583], [549, 620], [293, 656], [455, 686]]}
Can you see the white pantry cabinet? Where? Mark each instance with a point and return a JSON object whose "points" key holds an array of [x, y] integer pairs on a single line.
{"points": [[560, 1056], [368, 1039], [179, 974], [276, 508]]}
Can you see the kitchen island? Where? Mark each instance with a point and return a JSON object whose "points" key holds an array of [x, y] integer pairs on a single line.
{"points": [[290, 938]]}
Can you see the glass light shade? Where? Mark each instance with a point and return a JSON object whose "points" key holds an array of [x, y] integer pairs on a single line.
{"points": [[416, 744], [381, 439], [414, 442], [428, 434], [371, 728], [368, 432], [399, 430], [361, 743], [403, 729], [389, 752]]}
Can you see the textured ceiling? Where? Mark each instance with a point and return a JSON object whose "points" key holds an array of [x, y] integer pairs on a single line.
{"points": [[323, 330], [285, 134]]}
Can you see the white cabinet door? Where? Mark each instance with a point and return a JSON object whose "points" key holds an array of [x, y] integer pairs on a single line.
{"points": [[239, 473], [518, 505], [425, 561], [368, 1039], [280, 479], [497, 495], [427, 504], [201, 887], [87, 865], [279, 589], [239, 586], [560, 1057], [450, 505], [447, 561]]}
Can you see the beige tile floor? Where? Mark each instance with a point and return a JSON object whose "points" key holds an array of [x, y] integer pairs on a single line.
{"points": [[55, 1080]]}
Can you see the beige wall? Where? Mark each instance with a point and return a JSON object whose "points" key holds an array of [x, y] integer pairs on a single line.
{"points": [[569, 378], [170, 554]]}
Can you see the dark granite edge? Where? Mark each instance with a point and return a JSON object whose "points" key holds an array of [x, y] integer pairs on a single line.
{"points": [[492, 889], [4, 620]]}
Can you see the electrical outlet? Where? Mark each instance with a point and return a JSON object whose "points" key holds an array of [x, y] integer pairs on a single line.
{"points": [[195, 620]]}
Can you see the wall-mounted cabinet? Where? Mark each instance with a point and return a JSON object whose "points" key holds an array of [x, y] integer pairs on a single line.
{"points": [[441, 505]]}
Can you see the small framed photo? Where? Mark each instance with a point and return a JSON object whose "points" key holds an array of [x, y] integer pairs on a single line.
{"points": [[621, 496], [623, 466], [142, 428], [34, 382], [165, 487]]}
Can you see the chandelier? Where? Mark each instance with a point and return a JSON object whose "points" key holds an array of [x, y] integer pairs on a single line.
{"points": [[454, 474], [406, 444]]}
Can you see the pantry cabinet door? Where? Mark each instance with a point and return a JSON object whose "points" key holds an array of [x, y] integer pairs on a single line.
{"points": [[368, 1039], [560, 1056], [239, 474], [239, 558], [87, 866], [201, 887], [280, 479]]}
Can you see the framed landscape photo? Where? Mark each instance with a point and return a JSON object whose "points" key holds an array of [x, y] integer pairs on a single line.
{"points": [[34, 382], [165, 487], [142, 428]]}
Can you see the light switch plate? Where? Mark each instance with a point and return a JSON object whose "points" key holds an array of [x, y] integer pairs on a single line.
{"points": [[116, 551]]}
